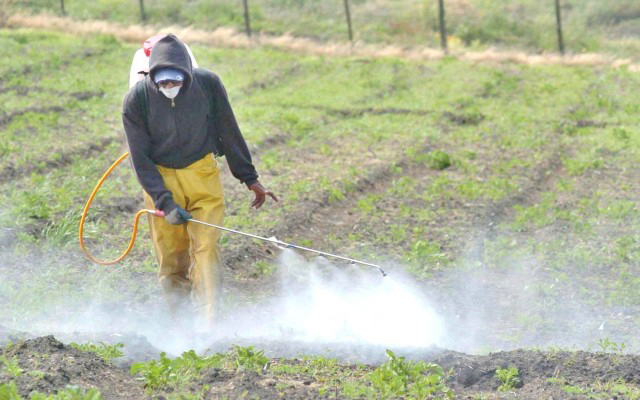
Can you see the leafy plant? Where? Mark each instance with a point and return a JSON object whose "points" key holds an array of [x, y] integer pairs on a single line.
{"points": [[70, 393], [425, 256], [335, 194], [174, 373], [419, 380], [106, 351], [438, 160], [247, 358], [11, 365], [508, 378], [262, 268], [9, 391], [608, 346], [368, 204]]}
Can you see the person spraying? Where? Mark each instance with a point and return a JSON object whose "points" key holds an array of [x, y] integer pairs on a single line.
{"points": [[176, 120]]}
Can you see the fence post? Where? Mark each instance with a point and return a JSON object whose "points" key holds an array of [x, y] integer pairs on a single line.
{"points": [[143, 15], [559, 28], [443, 27], [62, 7], [348, 14], [247, 19]]}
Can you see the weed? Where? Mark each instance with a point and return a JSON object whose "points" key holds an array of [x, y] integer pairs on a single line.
{"points": [[508, 378], [438, 160], [106, 351], [63, 230]]}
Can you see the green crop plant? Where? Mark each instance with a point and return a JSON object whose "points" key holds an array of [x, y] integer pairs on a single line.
{"points": [[536, 215], [175, 373], [9, 391], [248, 358], [426, 256], [320, 368], [508, 378], [107, 352], [335, 195], [34, 205], [398, 377], [11, 365], [69, 393], [618, 388], [262, 268], [586, 161], [470, 189], [609, 346], [367, 204]]}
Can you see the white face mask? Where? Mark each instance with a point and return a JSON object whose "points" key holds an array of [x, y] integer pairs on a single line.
{"points": [[171, 93]]}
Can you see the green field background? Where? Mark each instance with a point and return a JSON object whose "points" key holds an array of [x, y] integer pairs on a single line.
{"points": [[589, 25]]}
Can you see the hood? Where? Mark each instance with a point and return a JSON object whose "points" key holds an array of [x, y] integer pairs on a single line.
{"points": [[171, 52]]}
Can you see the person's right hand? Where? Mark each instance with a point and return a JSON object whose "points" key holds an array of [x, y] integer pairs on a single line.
{"points": [[178, 216]]}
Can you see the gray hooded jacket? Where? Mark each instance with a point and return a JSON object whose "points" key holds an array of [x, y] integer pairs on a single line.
{"points": [[177, 134]]}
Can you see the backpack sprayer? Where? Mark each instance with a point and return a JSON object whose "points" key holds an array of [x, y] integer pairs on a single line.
{"points": [[158, 213]]}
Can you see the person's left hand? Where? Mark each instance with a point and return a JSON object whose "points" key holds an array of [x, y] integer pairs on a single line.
{"points": [[261, 195]]}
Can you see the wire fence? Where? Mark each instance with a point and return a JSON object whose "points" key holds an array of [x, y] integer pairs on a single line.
{"points": [[517, 23]]}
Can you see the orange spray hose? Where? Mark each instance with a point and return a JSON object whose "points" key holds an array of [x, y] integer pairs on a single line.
{"points": [[134, 233]]}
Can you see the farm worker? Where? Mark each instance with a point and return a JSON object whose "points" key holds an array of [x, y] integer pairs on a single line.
{"points": [[175, 120]]}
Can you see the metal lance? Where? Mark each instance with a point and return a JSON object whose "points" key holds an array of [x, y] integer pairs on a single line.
{"points": [[280, 243]]}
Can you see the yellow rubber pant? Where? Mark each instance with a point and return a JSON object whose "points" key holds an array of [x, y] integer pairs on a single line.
{"points": [[189, 272]]}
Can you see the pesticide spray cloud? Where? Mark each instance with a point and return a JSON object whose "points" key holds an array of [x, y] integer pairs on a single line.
{"points": [[320, 302], [316, 305]]}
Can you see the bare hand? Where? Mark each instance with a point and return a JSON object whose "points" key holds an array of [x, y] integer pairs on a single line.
{"points": [[261, 195]]}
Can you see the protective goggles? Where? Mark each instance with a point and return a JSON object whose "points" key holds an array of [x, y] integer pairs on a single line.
{"points": [[165, 82]]}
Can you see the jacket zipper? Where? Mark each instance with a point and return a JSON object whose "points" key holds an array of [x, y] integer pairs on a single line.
{"points": [[175, 123]]}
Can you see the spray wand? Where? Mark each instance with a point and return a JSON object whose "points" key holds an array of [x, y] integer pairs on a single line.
{"points": [[159, 213]]}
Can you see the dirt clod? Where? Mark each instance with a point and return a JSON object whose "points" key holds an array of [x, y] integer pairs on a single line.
{"points": [[47, 365]]}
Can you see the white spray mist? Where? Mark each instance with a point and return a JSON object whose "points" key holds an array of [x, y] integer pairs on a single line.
{"points": [[316, 303]]}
